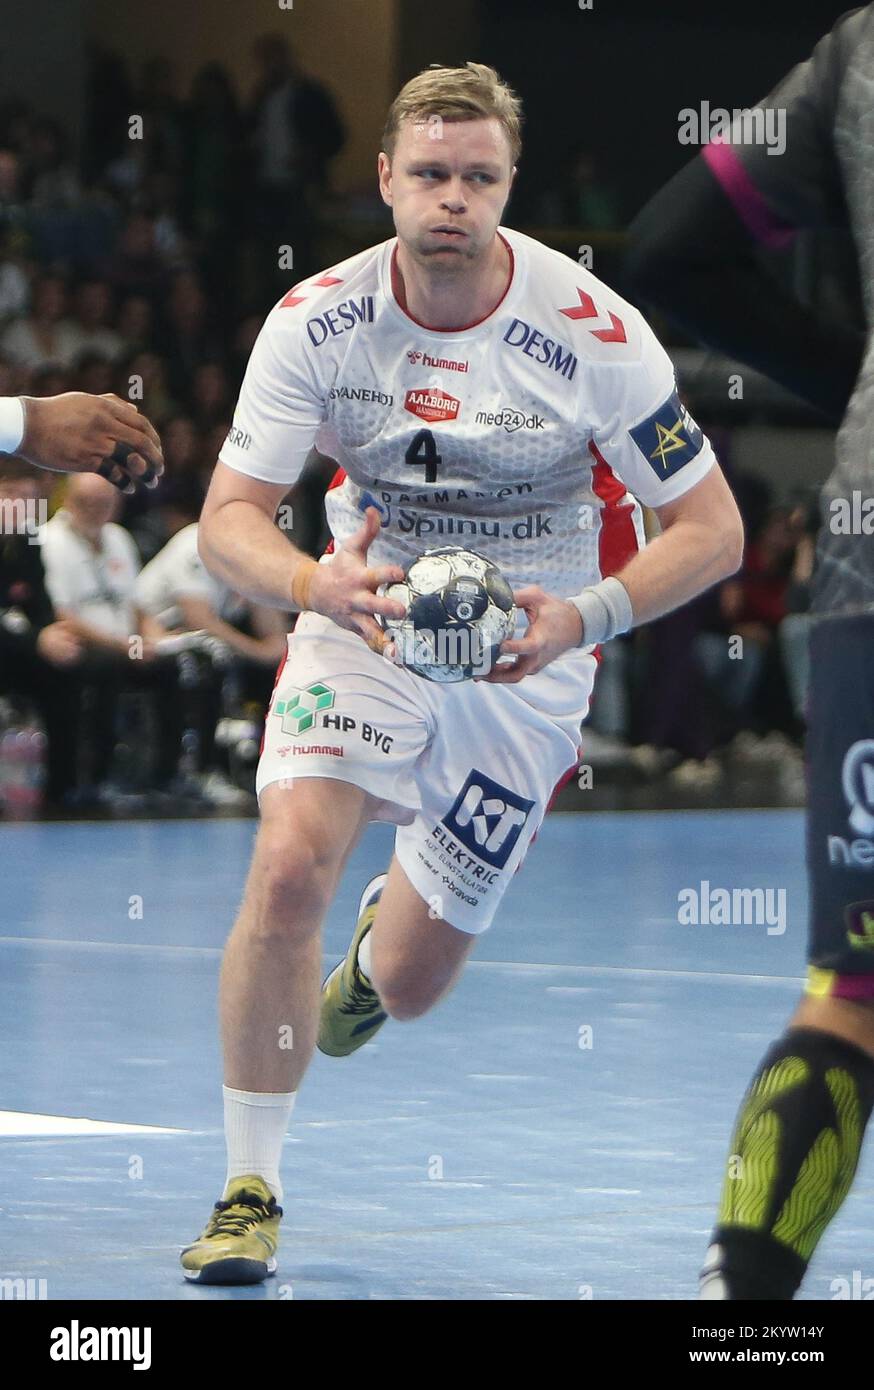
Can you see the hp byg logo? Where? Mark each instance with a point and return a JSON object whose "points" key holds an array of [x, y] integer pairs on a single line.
{"points": [[858, 784], [299, 711], [488, 818]]}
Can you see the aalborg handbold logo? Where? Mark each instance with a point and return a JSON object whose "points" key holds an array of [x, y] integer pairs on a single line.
{"points": [[299, 710], [488, 818], [433, 404]]}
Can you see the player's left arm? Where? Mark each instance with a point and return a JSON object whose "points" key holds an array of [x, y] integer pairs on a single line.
{"points": [[650, 442], [701, 543]]}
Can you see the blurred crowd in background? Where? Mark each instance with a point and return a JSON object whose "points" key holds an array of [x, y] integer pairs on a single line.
{"points": [[145, 267], [148, 266]]}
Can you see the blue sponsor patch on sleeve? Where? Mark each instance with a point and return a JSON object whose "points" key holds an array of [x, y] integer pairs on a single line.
{"points": [[669, 439]]}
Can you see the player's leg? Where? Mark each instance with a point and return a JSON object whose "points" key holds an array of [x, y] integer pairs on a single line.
{"points": [[342, 735], [269, 1001], [415, 955], [799, 1133], [402, 959], [271, 969], [454, 862]]}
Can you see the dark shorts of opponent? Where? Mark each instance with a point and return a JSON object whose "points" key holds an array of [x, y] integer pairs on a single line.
{"points": [[840, 818]]}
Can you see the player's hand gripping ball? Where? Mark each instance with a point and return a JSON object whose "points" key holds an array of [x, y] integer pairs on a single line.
{"points": [[459, 610]]}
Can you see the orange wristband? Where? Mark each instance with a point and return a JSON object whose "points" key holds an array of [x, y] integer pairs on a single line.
{"points": [[301, 583]]}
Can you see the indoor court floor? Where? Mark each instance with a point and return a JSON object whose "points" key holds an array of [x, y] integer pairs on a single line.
{"points": [[555, 1129]]}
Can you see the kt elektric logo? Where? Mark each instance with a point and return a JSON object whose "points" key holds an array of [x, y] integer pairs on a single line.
{"points": [[299, 711], [488, 818]]}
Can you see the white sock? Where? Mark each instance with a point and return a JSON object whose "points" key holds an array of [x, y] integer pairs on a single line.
{"points": [[255, 1125], [364, 957]]}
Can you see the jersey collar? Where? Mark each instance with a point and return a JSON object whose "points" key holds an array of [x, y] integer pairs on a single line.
{"points": [[511, 293]]}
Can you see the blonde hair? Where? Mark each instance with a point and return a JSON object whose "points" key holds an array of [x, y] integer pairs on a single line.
{"points": [[474, 92]]}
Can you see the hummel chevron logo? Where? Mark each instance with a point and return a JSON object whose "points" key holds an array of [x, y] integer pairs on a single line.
{"points": [[587, 309], [293, 298]]}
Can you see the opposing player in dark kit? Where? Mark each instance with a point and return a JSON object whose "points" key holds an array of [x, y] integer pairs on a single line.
{"points": [[79, 433], [693, 251]]}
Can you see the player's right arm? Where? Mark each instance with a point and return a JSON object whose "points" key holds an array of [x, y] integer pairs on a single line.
{"points": [[280, 409], [240, 544], [239, 541]]}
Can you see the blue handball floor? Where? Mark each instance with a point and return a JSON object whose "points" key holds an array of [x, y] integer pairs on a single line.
{"points": [[493, 1150]]}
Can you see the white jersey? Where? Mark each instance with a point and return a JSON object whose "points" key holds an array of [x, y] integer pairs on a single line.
{"points": [[96, 585], [531, 436], [176, 572]]}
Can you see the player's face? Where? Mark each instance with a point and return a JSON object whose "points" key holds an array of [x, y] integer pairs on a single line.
{"points": [[447, 185]]}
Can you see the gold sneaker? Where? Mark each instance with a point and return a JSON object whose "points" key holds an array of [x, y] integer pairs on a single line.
{"points": [[239, 1243], [351, 1012]]}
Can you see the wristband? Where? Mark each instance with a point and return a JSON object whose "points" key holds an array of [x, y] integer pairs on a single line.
{"points": [[11, 423], [605, 609], [301, 582]]}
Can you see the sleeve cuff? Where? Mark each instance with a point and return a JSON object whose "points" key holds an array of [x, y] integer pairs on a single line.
{"points": [[682, 482]]}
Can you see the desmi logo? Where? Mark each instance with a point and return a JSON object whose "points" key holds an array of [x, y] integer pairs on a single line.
{"points": [[349, 313], [547, 351], [488, 818]]}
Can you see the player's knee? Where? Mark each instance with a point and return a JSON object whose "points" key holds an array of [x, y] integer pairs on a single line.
{"points": [[404, 996], [294, 878], [405, 1005]]}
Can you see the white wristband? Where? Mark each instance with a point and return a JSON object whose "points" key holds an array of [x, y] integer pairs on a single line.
{"points": [[605, 609], [11, 423]]}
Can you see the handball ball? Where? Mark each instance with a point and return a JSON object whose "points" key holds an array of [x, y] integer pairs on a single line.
{"points": [[459, 610]]}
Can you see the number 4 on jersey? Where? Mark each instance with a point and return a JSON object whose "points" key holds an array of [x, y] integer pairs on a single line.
{"points": [[423, 450]]}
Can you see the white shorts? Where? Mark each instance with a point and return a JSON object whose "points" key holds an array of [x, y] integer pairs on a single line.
{"points": [[465, 771]]}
